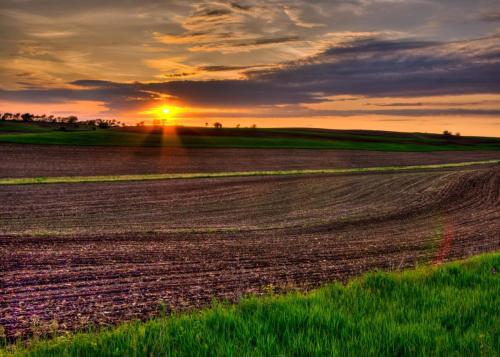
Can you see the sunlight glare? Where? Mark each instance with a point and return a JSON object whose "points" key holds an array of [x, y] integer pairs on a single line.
{"points": [[162, 115]]}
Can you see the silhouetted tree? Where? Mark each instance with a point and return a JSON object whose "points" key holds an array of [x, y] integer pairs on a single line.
{"points": [[447, 133], [71, 119], [217, 125], [27, 117], [7, 116]]}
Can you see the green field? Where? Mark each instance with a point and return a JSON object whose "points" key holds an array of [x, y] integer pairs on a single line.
{"points": [[248, 138], [198, 175], [447, 310], [7, 126]]}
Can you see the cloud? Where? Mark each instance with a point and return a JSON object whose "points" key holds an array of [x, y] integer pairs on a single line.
{"points": [[398, 67], [229, 68], [374, 45], [295, 16], [493, 16], [372, 68]]}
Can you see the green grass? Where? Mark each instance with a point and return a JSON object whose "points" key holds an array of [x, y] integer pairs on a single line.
{"points": [[197, 175], [246, 140], [451, 310], [17, 126]]}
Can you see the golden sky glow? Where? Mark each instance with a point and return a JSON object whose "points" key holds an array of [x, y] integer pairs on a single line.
{"points": [[355, 64]]}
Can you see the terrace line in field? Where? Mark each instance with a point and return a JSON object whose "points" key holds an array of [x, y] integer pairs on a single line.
{"points": [[172, 176]]}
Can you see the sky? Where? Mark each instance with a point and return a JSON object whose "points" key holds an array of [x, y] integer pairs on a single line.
{"points": [[404, 65]]}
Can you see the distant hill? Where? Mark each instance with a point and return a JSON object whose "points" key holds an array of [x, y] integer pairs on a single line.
{"points": [[304, 138]]}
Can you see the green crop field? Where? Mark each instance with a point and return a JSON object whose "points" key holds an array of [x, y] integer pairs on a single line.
{"points": [[250, 138], [447, 310]]}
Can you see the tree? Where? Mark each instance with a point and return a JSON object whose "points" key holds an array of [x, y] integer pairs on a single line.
{"points": [[447, 133], [27, 117], [7, 116], [217, 125], [254, 126], [71, 119]]}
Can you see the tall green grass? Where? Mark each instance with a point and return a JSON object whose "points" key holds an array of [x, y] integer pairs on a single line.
{"points": [[451, 310]]}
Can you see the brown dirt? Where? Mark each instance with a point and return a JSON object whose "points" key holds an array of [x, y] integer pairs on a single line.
{"points": [[58, 160], [104, 253]]}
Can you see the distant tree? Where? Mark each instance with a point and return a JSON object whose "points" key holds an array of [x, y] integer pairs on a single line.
{"points": [[254, 126], [206, 124], [71, 119], [7, 116], [217, 125], [140, 124], [27, 117], [238, 126], [447, 133], [16, 116], [457, 135]]}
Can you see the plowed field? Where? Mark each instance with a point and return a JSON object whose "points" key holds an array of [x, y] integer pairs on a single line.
{"points": [[59, 160], [74, 254]]}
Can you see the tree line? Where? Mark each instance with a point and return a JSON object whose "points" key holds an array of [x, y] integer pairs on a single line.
{"points": [[71, 120]]}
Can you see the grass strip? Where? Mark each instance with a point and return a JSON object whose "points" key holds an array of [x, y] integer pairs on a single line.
{"points": [[447, 310], [171, 176]]}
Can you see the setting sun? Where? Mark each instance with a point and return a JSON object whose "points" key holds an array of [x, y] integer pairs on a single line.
{"points": [[166, 115]]}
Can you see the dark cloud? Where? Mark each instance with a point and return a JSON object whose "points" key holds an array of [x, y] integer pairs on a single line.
{"points": [[374, 45], [239, 6], [409, 69], [228, 68], [307, 113], [493, 16], [440, 104], [214, 12], [267, 41]]}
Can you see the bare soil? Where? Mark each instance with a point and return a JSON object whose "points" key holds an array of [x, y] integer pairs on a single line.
{"points": [[58, 160], [103, 253]]}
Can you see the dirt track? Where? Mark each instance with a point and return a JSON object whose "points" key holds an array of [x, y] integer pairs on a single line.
{"points": [[104, 253], [58, 160]]}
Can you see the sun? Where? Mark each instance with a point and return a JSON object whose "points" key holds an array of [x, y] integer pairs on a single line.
{"points": [[163, 115]]}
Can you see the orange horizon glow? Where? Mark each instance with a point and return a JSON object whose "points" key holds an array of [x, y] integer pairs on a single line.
{"points": [[170, 113]]}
